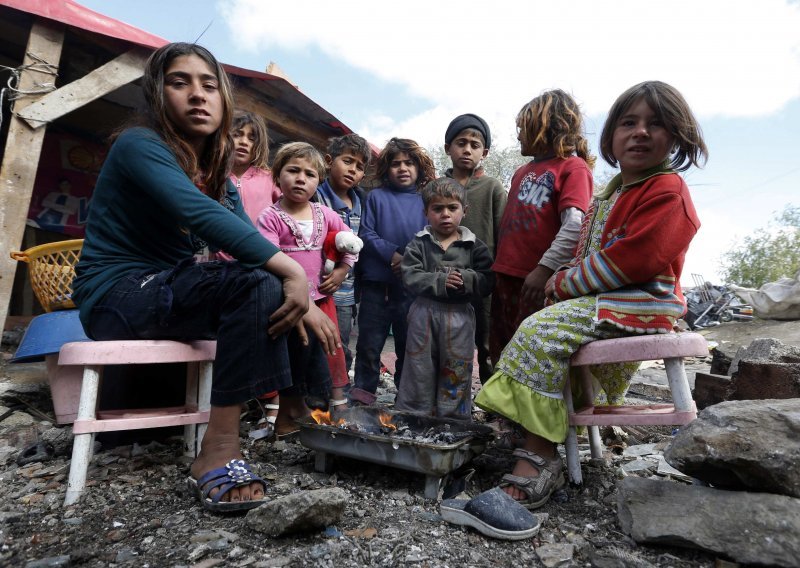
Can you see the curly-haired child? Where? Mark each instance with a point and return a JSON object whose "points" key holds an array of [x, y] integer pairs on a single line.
{"points": [[393, 214], [546, 204]]}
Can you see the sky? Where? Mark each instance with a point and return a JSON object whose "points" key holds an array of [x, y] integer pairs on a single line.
{"points": [[407, 69]]}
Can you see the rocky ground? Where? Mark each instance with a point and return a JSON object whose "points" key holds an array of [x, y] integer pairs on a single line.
{"points": [[138, 512]]}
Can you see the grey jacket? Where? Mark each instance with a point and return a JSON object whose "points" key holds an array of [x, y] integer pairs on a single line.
{"points": [[425, 264]]}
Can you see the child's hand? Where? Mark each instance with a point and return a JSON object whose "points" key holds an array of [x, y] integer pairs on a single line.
{"points": [[532, 293], [322, 326], [397, 258], [550, 287], [295, 294], [454, 280], [331, 282]]}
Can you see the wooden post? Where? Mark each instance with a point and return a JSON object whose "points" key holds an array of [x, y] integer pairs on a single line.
{"points": [[21, 158], [120, 71]]}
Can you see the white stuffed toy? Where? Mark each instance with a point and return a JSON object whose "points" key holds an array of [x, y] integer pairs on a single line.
{"points": [[336, 244]]}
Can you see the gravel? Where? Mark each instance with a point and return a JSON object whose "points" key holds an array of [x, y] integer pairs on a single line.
{"points": [[137, 511]]}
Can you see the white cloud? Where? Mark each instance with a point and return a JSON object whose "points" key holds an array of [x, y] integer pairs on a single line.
{"points": [[715, 237], [728, 57]]}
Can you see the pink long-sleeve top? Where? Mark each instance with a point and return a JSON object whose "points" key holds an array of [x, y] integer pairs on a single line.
{"points": [[282, 230], [257, 191]]}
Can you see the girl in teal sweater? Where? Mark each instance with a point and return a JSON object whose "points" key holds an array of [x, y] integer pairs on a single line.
{"points": [[163, 194]]}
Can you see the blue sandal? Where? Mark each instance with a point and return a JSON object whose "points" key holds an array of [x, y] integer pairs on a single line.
{"points": [[235, 473]]}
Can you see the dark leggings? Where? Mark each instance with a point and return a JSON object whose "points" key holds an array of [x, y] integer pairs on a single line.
{"points": [[213, 300]]}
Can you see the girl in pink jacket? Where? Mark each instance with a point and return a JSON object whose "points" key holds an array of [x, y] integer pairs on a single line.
{"points": [[299, 227]]}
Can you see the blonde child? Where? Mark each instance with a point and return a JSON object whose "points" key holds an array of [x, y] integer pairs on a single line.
{"points": [[299, 228], [447, 268], [546, 204], [624, 280]]}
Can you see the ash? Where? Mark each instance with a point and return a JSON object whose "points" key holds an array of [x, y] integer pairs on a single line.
{"points": [[433, 435]]}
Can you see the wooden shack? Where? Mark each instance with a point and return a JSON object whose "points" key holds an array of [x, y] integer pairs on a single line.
{"points": [[73, 77]]}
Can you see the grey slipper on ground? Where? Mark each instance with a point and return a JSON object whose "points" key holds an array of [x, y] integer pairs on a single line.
{"points": [[493, 513]]}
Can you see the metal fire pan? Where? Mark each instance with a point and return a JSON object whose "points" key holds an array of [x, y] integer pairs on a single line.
{"points": [[434, 460]]}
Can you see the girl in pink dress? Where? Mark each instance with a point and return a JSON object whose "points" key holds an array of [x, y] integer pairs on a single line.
{"points": [[299, 228], [250, 173]]}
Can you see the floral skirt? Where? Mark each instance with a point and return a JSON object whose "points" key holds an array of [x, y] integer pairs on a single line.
{"points": [[528, 384]]}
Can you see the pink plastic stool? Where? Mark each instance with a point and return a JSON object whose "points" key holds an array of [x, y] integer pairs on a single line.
{"points": [[671, 347], [94, 355]]}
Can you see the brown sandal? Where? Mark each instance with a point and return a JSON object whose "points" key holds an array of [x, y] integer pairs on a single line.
{"points": [[537, 488]]}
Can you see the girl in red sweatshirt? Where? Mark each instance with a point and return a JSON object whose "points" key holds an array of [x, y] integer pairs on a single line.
{"points": [[624, 280]]}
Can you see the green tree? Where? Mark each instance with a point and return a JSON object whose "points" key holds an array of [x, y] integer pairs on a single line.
{"points": [[770, 253]]}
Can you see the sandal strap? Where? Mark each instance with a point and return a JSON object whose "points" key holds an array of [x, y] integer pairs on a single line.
{"points": [[532, 458], [518, 481], [339, 402], [271, 406], [235, 473]]}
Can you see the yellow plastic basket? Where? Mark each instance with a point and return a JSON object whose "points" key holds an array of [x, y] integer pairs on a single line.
{"points": [[52, 268]]}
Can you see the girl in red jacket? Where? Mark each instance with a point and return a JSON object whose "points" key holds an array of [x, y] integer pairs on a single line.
{"points": [[624, 280]]}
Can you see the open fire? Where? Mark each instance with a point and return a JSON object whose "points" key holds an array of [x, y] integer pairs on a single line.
{"points": [[387, 426], [423, 444], [324, 417], [384, 423]]}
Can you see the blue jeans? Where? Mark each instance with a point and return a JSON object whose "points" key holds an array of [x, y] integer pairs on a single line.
{"points": [[214, 300], [345, 315], [383, 307]]}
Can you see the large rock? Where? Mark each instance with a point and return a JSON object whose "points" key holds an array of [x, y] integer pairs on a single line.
{"points": [[752, 444], [765, 349], [299, 512], [750, 528]]}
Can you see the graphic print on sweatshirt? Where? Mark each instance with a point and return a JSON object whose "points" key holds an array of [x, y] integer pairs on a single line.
{"points": [[537, 191], [534, 192]]}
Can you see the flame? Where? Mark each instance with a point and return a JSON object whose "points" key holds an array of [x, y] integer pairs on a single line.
{"points": [[386, 420], [324, 418], [321, 417]]}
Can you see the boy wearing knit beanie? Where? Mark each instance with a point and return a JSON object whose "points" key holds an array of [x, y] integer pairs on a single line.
{"points": [[467, 141]]}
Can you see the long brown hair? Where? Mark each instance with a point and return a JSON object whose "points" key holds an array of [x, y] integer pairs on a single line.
{"points": [[418, 155], [242, 118], [210, 170], [672, 110], [552, 122]]}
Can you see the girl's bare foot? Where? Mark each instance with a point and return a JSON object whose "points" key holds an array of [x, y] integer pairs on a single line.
{"points": [[292, 408]]}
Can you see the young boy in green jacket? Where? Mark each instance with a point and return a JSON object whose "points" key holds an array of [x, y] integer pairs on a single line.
{"points": [[467, 141]]}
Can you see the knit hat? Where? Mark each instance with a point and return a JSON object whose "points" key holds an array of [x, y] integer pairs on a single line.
{"points": [[464, 121]]}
